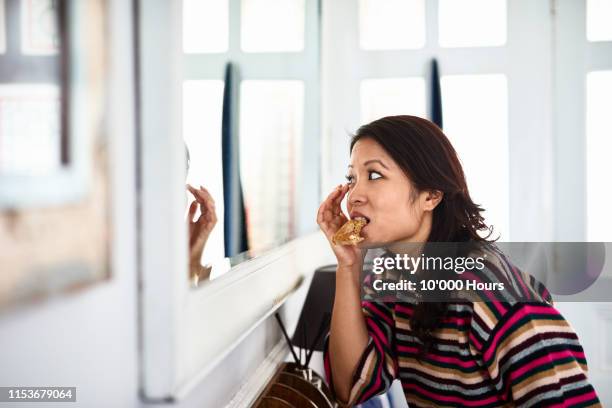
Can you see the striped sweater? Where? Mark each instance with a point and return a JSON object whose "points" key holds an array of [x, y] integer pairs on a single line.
{"points": [[484, 354]]}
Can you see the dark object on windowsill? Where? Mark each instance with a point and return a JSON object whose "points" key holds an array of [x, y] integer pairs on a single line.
{"points": [[316, 312], [315, 317], [296, 384]]}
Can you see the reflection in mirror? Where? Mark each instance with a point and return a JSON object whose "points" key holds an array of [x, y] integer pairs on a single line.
{"points": [[30, 84], [54, 208], [202, 103], [244, 122], [271, 129]]}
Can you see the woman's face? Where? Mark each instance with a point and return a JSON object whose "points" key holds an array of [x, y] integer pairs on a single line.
{"points": [[381, 192]]}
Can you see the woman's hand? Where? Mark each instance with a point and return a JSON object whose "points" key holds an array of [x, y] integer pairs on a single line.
{"points": [[330, 218], [200, 229], [348, 334]]}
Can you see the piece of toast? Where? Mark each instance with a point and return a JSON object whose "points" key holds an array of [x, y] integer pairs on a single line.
{"points": [[348, 234]]}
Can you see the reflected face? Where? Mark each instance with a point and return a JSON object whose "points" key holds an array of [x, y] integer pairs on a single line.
{"points": [[382, 193]]}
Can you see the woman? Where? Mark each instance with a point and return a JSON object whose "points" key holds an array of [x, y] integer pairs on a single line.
{"points": [[406, 180]]}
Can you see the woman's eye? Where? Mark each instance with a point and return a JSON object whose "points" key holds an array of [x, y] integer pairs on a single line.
{"points": [[349, 179], [374, 175]]}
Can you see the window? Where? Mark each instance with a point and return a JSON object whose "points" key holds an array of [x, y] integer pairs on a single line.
{"points": [[272, 25], [387, 72], [391, 24], [205, 26], [472, 23]]}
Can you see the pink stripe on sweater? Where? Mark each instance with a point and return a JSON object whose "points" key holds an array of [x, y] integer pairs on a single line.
{"points": [[459, 321], [441, 359], [373, 309], [575, 400], [375, 330], [404, 309], [527, 309], [581, 398], [474, 340], [548, 358]]}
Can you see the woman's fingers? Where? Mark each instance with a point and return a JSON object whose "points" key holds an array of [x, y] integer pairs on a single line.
{"points": [[329, 216], [338, 199], [192, 210], [335, 201], [209, 212], [192, 190], [327, 212], [201, 194], [324, 205], [210, 207], [206, 194]]}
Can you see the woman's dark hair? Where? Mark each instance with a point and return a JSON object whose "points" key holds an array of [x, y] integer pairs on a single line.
{"points": [[429, 160]]}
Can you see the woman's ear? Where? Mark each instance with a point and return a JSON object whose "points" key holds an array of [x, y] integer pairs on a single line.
{"points": [[432, 199]]}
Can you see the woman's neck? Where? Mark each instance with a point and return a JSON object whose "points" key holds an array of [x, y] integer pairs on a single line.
{"points": [[413, 245]]}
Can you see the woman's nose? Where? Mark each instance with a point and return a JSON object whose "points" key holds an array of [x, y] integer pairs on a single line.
{"points": [[357, 194]]}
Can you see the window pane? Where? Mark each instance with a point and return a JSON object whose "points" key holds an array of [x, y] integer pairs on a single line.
{"points": [[475, 111], [39, 34], [271, 126], [472, 23], [391, 24], [202, 109], [30, 141], [272, 25], [393, 96], [599, 146], [599, 18], [205, 26]]}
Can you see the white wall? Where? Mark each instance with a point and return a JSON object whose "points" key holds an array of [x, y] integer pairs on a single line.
{"points": [[89, 339]]}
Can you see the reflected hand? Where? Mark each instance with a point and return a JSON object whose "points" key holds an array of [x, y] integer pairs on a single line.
{"points": [[200, 229], [330, 218]]}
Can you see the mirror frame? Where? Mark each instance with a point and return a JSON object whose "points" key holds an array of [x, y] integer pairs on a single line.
{"points": [[186, 333]]}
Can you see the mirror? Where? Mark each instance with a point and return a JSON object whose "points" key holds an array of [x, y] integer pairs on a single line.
{"points": [[497, 100], [54, 200], [42, 161], [250, 123]]}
